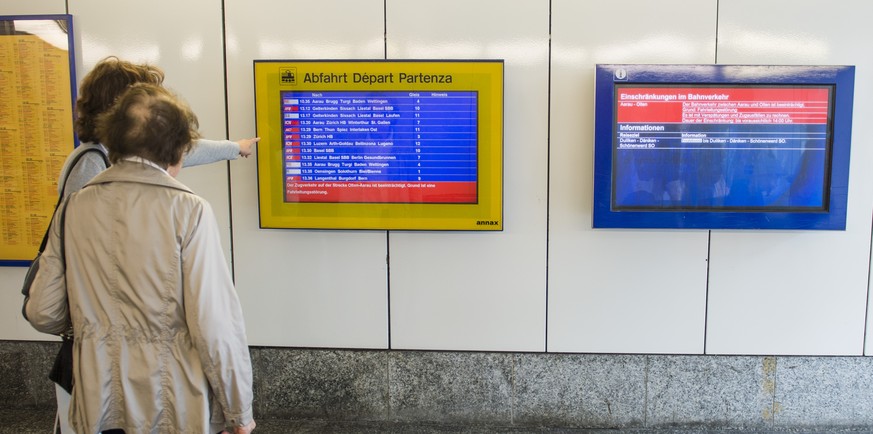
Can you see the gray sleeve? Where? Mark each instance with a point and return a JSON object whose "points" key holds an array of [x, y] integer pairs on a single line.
{"points": [[88, 167], [209, 151]]}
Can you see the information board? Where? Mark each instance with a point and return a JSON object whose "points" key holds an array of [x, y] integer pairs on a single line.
{"points": [[37, 93], [380, 144], [757, 147], [722, 146]]}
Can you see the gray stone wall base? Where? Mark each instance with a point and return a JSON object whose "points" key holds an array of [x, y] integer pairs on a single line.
{"points": [[597, 391]]}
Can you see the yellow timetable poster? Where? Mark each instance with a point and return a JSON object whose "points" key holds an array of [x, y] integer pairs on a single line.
{"points": [[36, 133]]}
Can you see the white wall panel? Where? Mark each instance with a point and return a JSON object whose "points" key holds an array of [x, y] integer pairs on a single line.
{"points": [[626, 291], [605, 291], [302, 287], [12, 324], [33, 7], [480, 291], [797, 292], [190, 52]]}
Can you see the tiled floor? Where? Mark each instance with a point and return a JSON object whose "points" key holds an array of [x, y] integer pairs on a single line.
{"points": [[40, 422]]}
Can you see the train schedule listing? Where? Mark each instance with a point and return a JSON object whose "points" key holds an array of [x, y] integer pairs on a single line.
{"points": [[380, 147]]}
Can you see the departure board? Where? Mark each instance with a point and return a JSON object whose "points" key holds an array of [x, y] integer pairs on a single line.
{"points": [[391, 147], [360, 144]]}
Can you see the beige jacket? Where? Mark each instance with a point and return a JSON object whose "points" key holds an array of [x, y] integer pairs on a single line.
{"points": [[159, 329]]}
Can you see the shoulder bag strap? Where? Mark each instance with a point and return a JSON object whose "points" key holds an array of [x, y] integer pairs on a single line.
{"points": [[63, 222], [64, 184]]}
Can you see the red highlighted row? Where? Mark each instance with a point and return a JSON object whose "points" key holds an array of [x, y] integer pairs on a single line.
{"points": [[379, 192]]}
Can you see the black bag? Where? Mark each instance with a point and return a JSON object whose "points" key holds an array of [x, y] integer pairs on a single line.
{"points": [[31, 274], [34, 266], [62, 370]]}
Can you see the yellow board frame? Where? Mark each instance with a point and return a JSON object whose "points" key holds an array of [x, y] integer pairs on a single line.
{"points": [[485, 77]]}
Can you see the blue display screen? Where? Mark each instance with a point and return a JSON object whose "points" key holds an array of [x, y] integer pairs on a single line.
{"points": [[382, 146]]}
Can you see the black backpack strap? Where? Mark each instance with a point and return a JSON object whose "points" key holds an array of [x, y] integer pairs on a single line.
{"points": [[73, 167], [34, 266], [64, 185]]}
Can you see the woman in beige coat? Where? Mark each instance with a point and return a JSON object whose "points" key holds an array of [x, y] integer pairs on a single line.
{"points": [[160, 338]]}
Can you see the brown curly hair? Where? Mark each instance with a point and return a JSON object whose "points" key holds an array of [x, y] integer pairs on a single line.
{"points": [[148, 121], [109, 79]]}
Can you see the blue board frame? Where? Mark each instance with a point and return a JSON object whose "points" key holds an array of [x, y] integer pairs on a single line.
{"points": [[610, 76]]}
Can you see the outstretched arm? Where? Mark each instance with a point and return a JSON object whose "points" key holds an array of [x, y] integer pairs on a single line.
{"points": [[247, 146], [210, 151]]}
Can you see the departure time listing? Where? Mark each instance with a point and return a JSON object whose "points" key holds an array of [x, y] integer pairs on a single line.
{"points": [[380, 147]]}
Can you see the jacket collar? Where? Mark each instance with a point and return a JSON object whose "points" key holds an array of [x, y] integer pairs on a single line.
{"points": [[129, 171]]}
